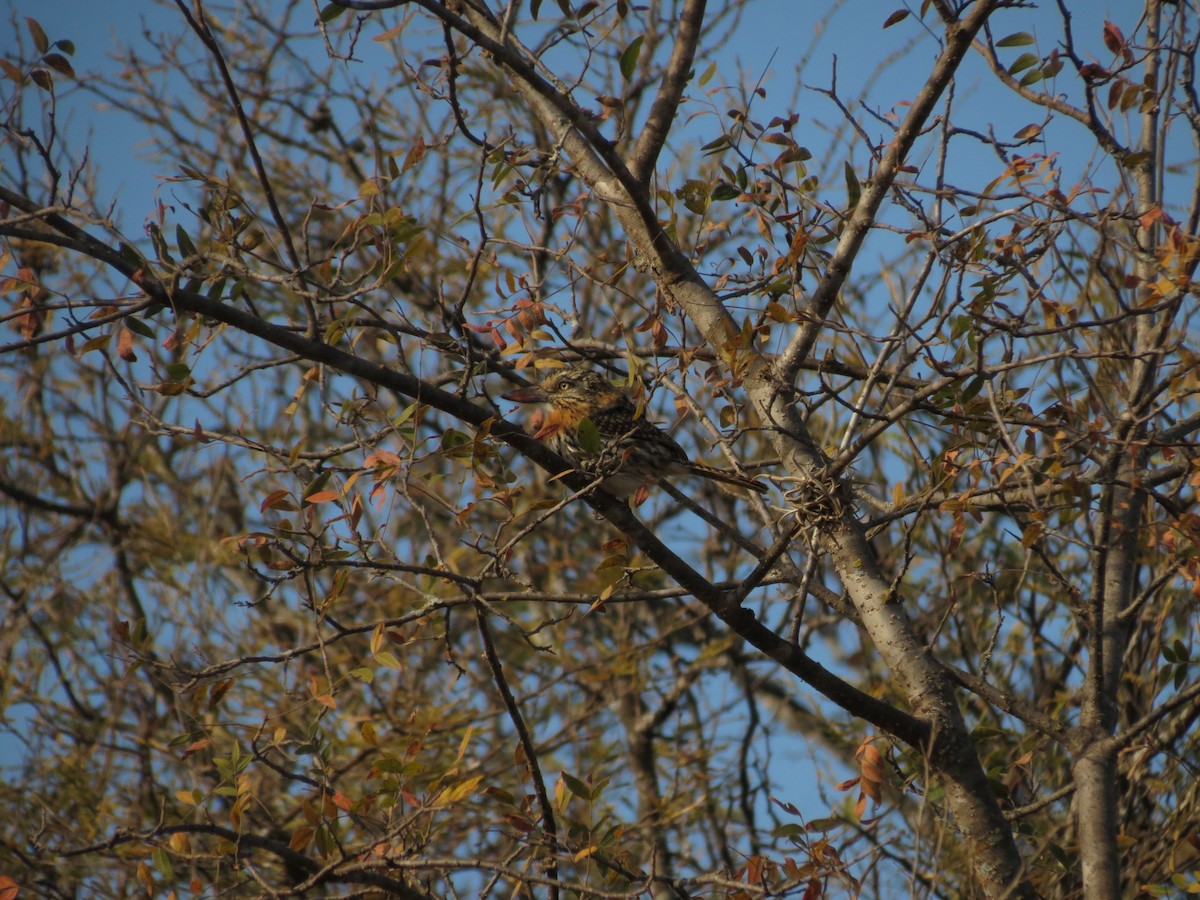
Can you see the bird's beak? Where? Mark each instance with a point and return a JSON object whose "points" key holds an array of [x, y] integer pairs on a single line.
{"points": [[531, 394]]}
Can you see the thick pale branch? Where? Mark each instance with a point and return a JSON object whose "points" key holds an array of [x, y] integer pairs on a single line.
{"points": [[666, 103]]}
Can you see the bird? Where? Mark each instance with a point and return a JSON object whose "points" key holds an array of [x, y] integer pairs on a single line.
{"points": [[619, 442]]}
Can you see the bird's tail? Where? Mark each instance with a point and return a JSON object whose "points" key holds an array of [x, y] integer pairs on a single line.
{"points": [[726, 477]]}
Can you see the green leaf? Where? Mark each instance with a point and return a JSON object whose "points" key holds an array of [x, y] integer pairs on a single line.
{"points": [[725, 191], [589, 437], [972, 389], [629, 58], [318, 483], [1020, 39], [694, 195], [137, 326], [1133, 160], [706, 77], [1032, 77], [853, 188], [1181, 652], [162, 862], [331, 12], [1023, 62], [387, 658], [184, 242], [456, 445], [790, 830], [721, 143], [95, 343], [577, 787]]}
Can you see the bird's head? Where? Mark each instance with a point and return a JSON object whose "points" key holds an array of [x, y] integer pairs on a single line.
{"points": [[573, 389]]}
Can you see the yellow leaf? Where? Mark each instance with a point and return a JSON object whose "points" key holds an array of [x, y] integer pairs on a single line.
{"points": [[452, 795], [462, 746]]}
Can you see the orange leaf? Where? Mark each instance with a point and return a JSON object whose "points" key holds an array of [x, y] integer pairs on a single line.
{"points": [[196, 747], [125, 346], [321, 497], [415, 154], [301, 837]]}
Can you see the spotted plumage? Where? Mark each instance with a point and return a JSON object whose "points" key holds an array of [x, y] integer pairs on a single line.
{"points": [[633, 452]]}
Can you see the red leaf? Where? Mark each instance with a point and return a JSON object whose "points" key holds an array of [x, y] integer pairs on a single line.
{"points": [[1113, 39], [272, 500]]}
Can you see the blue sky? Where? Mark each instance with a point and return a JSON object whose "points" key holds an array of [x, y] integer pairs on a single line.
{"points": [[774, 37]]}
